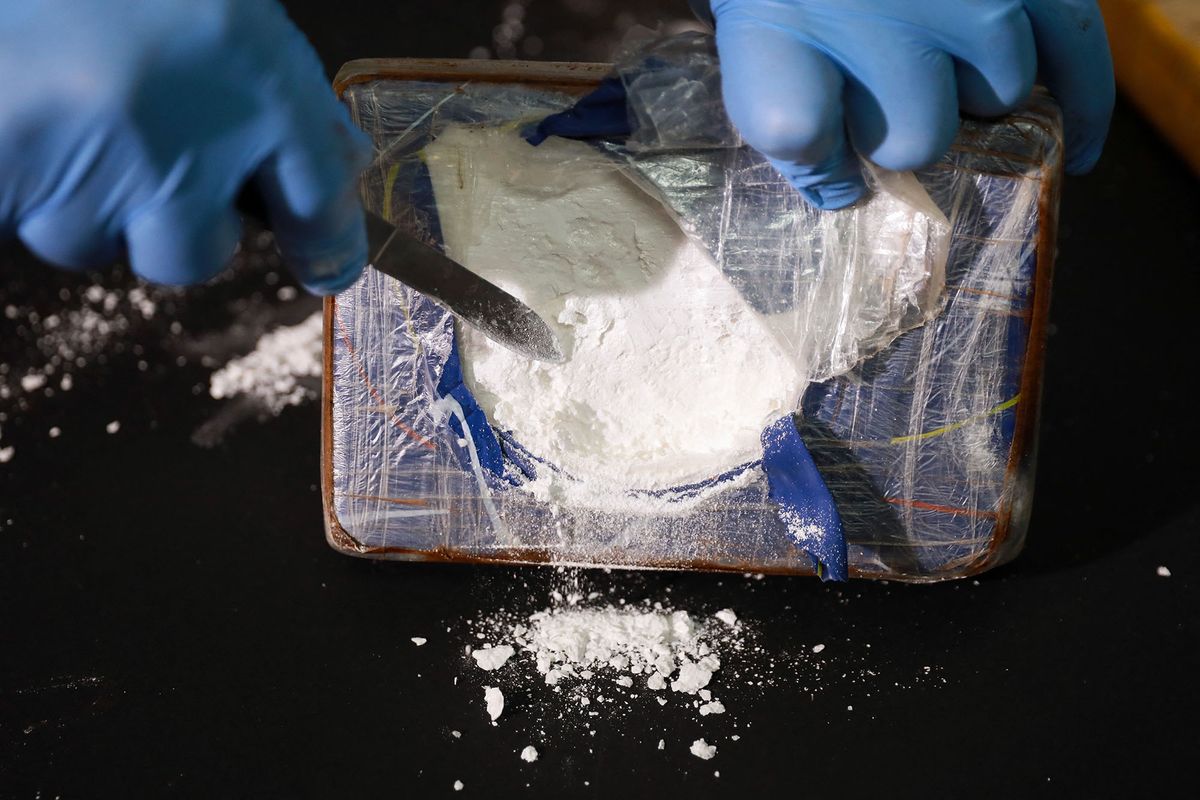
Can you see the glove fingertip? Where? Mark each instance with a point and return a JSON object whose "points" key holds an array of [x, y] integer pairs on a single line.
{"points": [[1083, 152], [833, 196], [327, 265]]}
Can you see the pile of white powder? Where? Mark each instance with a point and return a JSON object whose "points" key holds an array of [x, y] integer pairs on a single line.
{"points": [[652, 649], [671, 376], [274, 373]]}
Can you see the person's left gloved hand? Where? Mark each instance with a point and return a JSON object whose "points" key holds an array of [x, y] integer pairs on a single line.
{"points": [[809, 82], [132, 126]]}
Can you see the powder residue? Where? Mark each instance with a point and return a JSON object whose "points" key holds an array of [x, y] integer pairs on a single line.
{"points": [[702, 749], [650, 646], [529, 754], [274, 373]]}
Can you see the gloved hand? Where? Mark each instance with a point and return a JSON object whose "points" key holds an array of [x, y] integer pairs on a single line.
{"points": [[805, 81], [132, 124]]}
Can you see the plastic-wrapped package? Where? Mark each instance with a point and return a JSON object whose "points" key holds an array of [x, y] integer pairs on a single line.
{"points": [[920, 413]]}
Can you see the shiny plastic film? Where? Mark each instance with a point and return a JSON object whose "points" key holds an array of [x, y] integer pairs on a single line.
{"points": [[905, 333]]}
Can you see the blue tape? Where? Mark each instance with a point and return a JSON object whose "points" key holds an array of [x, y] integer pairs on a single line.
{"points": [[599, 115], [487, 447], [804, 503]]}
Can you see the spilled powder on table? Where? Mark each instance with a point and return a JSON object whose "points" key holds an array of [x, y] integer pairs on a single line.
{"points": [[273, 374], [585, 659]]}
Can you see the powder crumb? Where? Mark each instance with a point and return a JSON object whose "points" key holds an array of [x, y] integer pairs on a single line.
{"points": [[419, 640], [818, 648], [695, 676], [6, 454], [495, 702], [113, 426], [625, 681], [662, 745], [491, 658], [702, 749], [735, 737], [727, 616], [55, 432], [849, 708], [1163, 572], [458, 786], [714, 707], [529, 754], [32, 382], [662, 701], [456, 734]]}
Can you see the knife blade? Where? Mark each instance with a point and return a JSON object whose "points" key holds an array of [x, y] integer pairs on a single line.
{"points": [[478, 302]]}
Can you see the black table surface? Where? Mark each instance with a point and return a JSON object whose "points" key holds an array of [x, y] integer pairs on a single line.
{"points": [[173, 623]]}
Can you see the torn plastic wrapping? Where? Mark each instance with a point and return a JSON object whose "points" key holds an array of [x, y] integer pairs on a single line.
{"points": [[832, 288], [919, 446]]}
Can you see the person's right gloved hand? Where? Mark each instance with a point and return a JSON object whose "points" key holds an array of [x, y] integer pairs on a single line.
{"points": [[808, 82], [131, 127]]}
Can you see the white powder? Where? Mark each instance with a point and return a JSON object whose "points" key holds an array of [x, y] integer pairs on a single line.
{"points": [[695, 676], [818, 648], [113, 426], [6, 454], [1163, 572], [419, 640], [671, 376], [662, 745], [458, 786], [494, 699], [32, 382], [529, 754], [702, 749], [572, 642], [490, 658], [55, 432], [272, 373], [727, 616]]}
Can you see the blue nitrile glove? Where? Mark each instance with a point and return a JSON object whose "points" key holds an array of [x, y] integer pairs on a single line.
{"points": [[131, 126], [805, 81]]}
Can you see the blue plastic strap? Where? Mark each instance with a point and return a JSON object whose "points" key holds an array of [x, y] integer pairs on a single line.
{"points": [[491, 459], [802, 499], [599, 115]]}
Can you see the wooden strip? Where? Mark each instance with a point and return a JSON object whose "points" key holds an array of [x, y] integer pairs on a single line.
{"points": [[1156, 52]]}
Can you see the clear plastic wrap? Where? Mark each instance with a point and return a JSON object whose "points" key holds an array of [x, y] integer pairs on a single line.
{"points": [[921, 413]]}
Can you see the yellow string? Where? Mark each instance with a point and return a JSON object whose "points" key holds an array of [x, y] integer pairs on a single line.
{"points": [[920, 437]]}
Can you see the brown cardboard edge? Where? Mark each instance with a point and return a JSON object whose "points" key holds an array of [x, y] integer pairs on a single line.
{"points": [[335, 534], [1029, 409], [551, 74]]}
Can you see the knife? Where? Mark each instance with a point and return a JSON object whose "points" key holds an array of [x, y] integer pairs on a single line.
{"points": [[478, 302]]}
